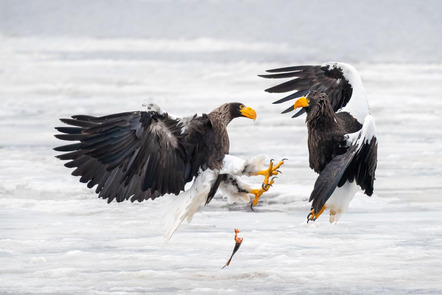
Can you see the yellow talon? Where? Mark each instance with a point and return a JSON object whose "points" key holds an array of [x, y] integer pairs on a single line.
{"points": [[271, 171], [313, 216], [267, 183], [278, 165], [258, 192]]}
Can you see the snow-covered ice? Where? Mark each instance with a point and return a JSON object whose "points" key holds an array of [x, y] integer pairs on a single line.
{"points": [[58, 59]]}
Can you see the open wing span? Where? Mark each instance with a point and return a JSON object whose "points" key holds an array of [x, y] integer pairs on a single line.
{"points": [[142, 155], [327, 78]]}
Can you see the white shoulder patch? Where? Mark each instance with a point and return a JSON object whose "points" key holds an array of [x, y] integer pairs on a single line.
{"points": [[358, 105], [367, 132]]}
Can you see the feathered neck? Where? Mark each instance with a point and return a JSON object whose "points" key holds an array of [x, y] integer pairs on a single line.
{"points": [[321, 113], [222, 115]]}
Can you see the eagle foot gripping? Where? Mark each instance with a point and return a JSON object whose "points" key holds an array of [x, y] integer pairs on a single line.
{"points": [[269, 179]]}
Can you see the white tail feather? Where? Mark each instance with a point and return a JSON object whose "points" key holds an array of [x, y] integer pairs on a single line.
{"points": [[188, 203]]}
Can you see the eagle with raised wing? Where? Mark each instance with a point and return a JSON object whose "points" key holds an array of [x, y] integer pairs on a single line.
{"points": [[342, 139], [143, 155]]}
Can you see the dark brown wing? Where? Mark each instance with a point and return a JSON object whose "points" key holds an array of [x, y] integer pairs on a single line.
{"points": [[142, 155], [357, 164], [328, 79], [329, 179], [363, 167]]}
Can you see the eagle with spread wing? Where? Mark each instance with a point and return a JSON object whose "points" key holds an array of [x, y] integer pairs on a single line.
{"points": [[342, 139], [143, 155]]}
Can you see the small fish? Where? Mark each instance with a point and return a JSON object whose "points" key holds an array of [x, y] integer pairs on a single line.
{"points": [[238, 242]]}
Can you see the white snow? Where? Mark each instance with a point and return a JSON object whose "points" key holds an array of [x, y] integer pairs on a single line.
{"points": [[58, 59]]}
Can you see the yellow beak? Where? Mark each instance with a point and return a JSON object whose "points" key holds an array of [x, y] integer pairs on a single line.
{"points": [[302, 102], [248, 113]]}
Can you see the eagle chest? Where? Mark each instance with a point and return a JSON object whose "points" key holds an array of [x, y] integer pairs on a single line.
{"points": [[218, 145], [323, 146]]}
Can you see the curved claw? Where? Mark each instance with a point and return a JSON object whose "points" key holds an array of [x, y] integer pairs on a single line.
{"points": [[310, 219], [265, 186], [251, 207], [279, 171], [313, 215], [284, 159], [269, 179]]}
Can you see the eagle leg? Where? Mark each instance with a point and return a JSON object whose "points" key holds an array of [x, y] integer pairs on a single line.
{"points": [[312, 216], [267, 183], [258, 192], [271, 171]]}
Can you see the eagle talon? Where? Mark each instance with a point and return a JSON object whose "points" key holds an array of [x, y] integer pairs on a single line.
{"points": [[312, 216], [271, 171], [257, 193], [309, 218], [269, 178]]}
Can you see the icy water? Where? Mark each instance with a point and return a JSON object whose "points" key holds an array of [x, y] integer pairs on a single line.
{"points": [[57, 237]]}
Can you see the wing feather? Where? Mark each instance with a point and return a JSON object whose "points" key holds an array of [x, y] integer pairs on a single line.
{"points": [[142, 155], [327, 78], [363, 167], [358, 164], [329, 178]]}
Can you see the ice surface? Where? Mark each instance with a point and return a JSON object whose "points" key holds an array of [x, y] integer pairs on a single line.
{"points": [[57, 60]]}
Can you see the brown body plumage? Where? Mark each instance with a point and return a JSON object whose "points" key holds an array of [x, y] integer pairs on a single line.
{"points": [[326, 131], [341, 131], [144, 155]]}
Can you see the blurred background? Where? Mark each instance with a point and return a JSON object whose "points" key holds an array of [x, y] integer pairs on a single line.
{"points": [[283, 31]]}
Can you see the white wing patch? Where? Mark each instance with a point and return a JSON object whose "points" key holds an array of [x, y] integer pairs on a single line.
{"points": [[358, 104], [367, 132], [342, 196]]}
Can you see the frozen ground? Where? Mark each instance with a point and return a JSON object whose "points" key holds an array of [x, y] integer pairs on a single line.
{"points": [[57, 237]]}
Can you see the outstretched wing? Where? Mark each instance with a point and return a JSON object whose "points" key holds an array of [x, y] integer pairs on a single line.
{"points": [[328, 78], [357, 164], [142, 155]]}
